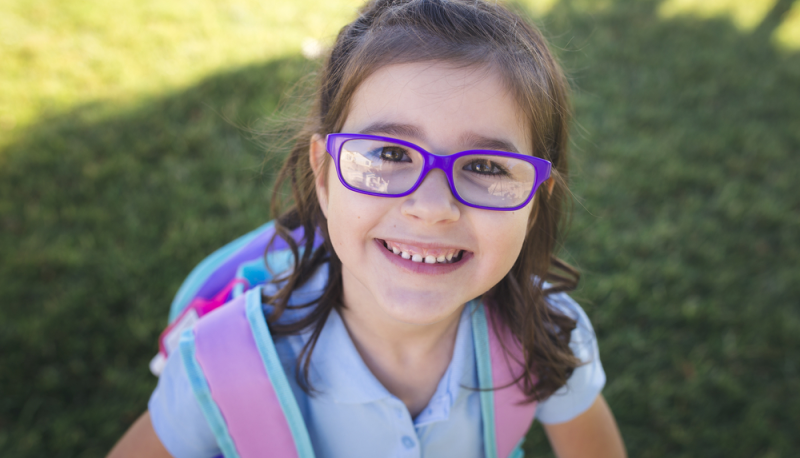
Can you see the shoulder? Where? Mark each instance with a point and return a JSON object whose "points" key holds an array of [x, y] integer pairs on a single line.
{"points": [[583, 335], [176, 414], [588, 379]]}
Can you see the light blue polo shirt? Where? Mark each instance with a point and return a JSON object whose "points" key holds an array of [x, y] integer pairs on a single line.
{"points": [[351, 414]]}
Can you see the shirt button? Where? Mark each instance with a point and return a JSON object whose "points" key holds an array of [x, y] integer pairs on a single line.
{"points": [[408, 442]]}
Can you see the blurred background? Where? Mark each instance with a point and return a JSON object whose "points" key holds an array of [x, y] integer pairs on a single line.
{"points": [[128, 154]]}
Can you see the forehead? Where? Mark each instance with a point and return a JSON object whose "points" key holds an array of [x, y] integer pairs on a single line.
{"points": [[442, 106]]}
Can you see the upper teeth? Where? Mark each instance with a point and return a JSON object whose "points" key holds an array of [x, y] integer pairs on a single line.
{"points": [[416, 257]]}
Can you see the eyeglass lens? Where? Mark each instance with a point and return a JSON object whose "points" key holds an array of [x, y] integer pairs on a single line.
{"points": [[487, 180]]}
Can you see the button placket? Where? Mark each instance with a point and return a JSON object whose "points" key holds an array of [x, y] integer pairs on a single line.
{"points": [[409, 446], [408, 442]]}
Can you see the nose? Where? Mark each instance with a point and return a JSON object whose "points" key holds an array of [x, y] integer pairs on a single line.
{"points": [[433, 201]]}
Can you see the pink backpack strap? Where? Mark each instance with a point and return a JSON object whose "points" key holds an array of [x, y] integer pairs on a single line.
{"points": [[240, 384], [506, 415]]}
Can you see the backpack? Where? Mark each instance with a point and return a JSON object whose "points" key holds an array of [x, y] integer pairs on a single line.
{"points": [[240, 384]]}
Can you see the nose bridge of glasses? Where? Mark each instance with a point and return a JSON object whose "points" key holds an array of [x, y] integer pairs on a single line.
{"points": [[443, 163], [433, 162]]}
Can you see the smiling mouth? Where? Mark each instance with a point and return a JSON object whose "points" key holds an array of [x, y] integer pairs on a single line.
{"points": [[432, 256]]}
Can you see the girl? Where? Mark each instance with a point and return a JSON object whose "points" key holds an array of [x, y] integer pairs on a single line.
{"points": [[423, 311]]}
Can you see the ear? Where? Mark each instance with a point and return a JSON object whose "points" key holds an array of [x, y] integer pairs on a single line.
{"points": [[550, 182], [316, 156]]}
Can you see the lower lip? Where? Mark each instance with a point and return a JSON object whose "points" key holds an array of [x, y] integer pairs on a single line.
{"points": [[423, 267]]}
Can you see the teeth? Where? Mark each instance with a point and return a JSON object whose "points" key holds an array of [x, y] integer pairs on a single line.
{"points": [[429, 259]]}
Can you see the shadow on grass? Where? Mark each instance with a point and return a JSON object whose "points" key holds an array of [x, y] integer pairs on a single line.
{"points": [[686, 164]]}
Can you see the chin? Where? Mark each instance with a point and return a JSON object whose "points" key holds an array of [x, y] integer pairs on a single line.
{"points": [[421, 308]]}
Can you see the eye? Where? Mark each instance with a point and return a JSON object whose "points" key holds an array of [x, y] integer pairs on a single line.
{"points": [[485, 167], [394, 154]]}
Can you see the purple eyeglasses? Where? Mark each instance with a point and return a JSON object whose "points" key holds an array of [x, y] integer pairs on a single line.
{"points": [[388, 167]]}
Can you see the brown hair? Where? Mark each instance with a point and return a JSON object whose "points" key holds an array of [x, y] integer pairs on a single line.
{"points": [[468, 33]]}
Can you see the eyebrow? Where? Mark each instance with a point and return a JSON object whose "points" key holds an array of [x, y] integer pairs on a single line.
{"points": [[475, 141], [481, 142], [391, 128]]}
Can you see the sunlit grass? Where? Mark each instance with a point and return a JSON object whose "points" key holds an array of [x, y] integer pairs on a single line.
{"points": [[746, 14], [57, 54], [540, 7], [787, 35]]}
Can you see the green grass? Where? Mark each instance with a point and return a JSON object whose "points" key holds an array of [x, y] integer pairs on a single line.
{"points": [[687, 158]]}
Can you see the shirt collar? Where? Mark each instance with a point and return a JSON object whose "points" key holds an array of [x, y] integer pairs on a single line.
{"points": [[460, 373]]}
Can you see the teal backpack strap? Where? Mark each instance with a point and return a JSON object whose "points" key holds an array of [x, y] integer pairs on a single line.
{"points": [[506, 414]]}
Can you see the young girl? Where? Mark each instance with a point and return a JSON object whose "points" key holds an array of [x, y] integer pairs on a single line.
{"points": [[422, 312]]}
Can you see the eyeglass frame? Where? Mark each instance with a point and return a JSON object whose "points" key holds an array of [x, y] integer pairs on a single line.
{"points": [[445, 163]]}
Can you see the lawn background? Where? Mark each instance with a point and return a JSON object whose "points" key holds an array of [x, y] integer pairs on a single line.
{"points": [[126, 156]]}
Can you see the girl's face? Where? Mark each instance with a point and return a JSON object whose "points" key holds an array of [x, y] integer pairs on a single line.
{"points": [[444, 110]]}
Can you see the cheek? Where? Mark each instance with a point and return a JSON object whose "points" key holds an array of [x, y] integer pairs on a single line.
{"points": [[350, 216], [507, 235], [336, 212]]}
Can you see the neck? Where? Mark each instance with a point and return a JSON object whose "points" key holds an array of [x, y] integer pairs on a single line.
{"points": [[408, 359], [397, 340]]}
